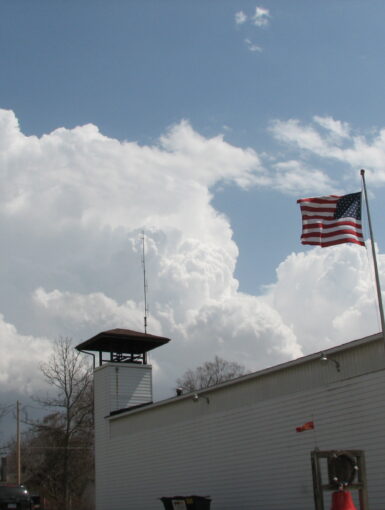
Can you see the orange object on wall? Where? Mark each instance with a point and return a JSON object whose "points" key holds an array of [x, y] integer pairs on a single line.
{"points": [[342, 500], [306, 426]]}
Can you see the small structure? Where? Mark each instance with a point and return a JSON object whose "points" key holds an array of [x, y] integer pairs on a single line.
{"points": [[346, 472], [123, 378]]}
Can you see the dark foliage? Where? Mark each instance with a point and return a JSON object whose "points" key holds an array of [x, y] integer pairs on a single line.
{"points": [[209, 374]]}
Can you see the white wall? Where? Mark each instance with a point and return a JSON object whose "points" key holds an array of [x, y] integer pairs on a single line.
{"points": [[116, 386], [241, 448]]}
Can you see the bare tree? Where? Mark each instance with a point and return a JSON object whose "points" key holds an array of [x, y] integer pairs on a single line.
{"points": [[61, 445], [209, 374]]}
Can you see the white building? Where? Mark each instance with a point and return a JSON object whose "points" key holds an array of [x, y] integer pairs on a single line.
{"points": [[235, 442]]}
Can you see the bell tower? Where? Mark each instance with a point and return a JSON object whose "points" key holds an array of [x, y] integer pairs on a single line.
{"points": [[122, 380]]}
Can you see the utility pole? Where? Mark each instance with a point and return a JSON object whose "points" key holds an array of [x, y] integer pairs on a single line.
{"points": [[18, 464]]}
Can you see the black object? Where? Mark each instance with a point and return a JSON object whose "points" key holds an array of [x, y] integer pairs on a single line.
{"points": [[123, 345], [342, 469], [14, 496], [37, 503], [191, 502]]}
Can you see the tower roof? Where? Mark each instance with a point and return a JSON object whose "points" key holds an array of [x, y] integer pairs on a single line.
{"points": [[122, 341]]}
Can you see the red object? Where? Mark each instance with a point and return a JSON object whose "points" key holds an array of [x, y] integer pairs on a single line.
{"points": [[331, 220], [309, 425], [342, 500]]}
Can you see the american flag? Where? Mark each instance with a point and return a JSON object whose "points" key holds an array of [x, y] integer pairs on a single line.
{"points": [[331, 220]]}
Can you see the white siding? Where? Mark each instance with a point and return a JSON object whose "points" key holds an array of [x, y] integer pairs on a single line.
{"points": [[116, 386], [241, 447], [122, 385]]}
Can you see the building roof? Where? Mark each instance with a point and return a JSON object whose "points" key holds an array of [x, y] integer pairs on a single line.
{"points": [[295, 364], [122, 341]]}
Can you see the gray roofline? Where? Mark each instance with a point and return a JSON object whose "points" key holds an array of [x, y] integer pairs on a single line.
{"points": [[259, 373]]}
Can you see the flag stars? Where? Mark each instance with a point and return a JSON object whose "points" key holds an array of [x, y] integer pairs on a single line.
{"points": [[349, 206]]}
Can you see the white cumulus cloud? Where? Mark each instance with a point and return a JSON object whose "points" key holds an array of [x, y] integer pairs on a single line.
{"points": [[295, 177], [240, 17], [327, 294], [21, 356], [332, 139], [253, 47], [261, 17], [73, 204]]}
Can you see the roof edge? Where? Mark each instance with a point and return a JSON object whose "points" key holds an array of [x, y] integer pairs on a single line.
{"points": [[259, 373]]}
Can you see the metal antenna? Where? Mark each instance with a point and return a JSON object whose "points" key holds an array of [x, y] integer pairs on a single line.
{"points": [[144, 283]]}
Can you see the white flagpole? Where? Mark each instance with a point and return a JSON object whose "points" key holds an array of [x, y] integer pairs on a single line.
{"points": [[379, 296]]}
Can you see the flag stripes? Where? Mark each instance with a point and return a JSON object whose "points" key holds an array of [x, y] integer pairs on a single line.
{"points": [[331, 220]]}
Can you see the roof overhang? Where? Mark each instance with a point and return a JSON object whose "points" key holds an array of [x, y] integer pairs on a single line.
{"points": [[122, 341]]}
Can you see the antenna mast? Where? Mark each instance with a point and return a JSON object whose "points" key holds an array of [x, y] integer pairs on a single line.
{"points": [[144, 283]]}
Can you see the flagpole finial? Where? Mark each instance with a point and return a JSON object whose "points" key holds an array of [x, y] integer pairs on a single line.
{"points": [[362, 172]]}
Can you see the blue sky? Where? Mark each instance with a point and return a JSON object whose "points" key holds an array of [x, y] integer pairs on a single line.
{"points": [[201, 122], [135, 68]]}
